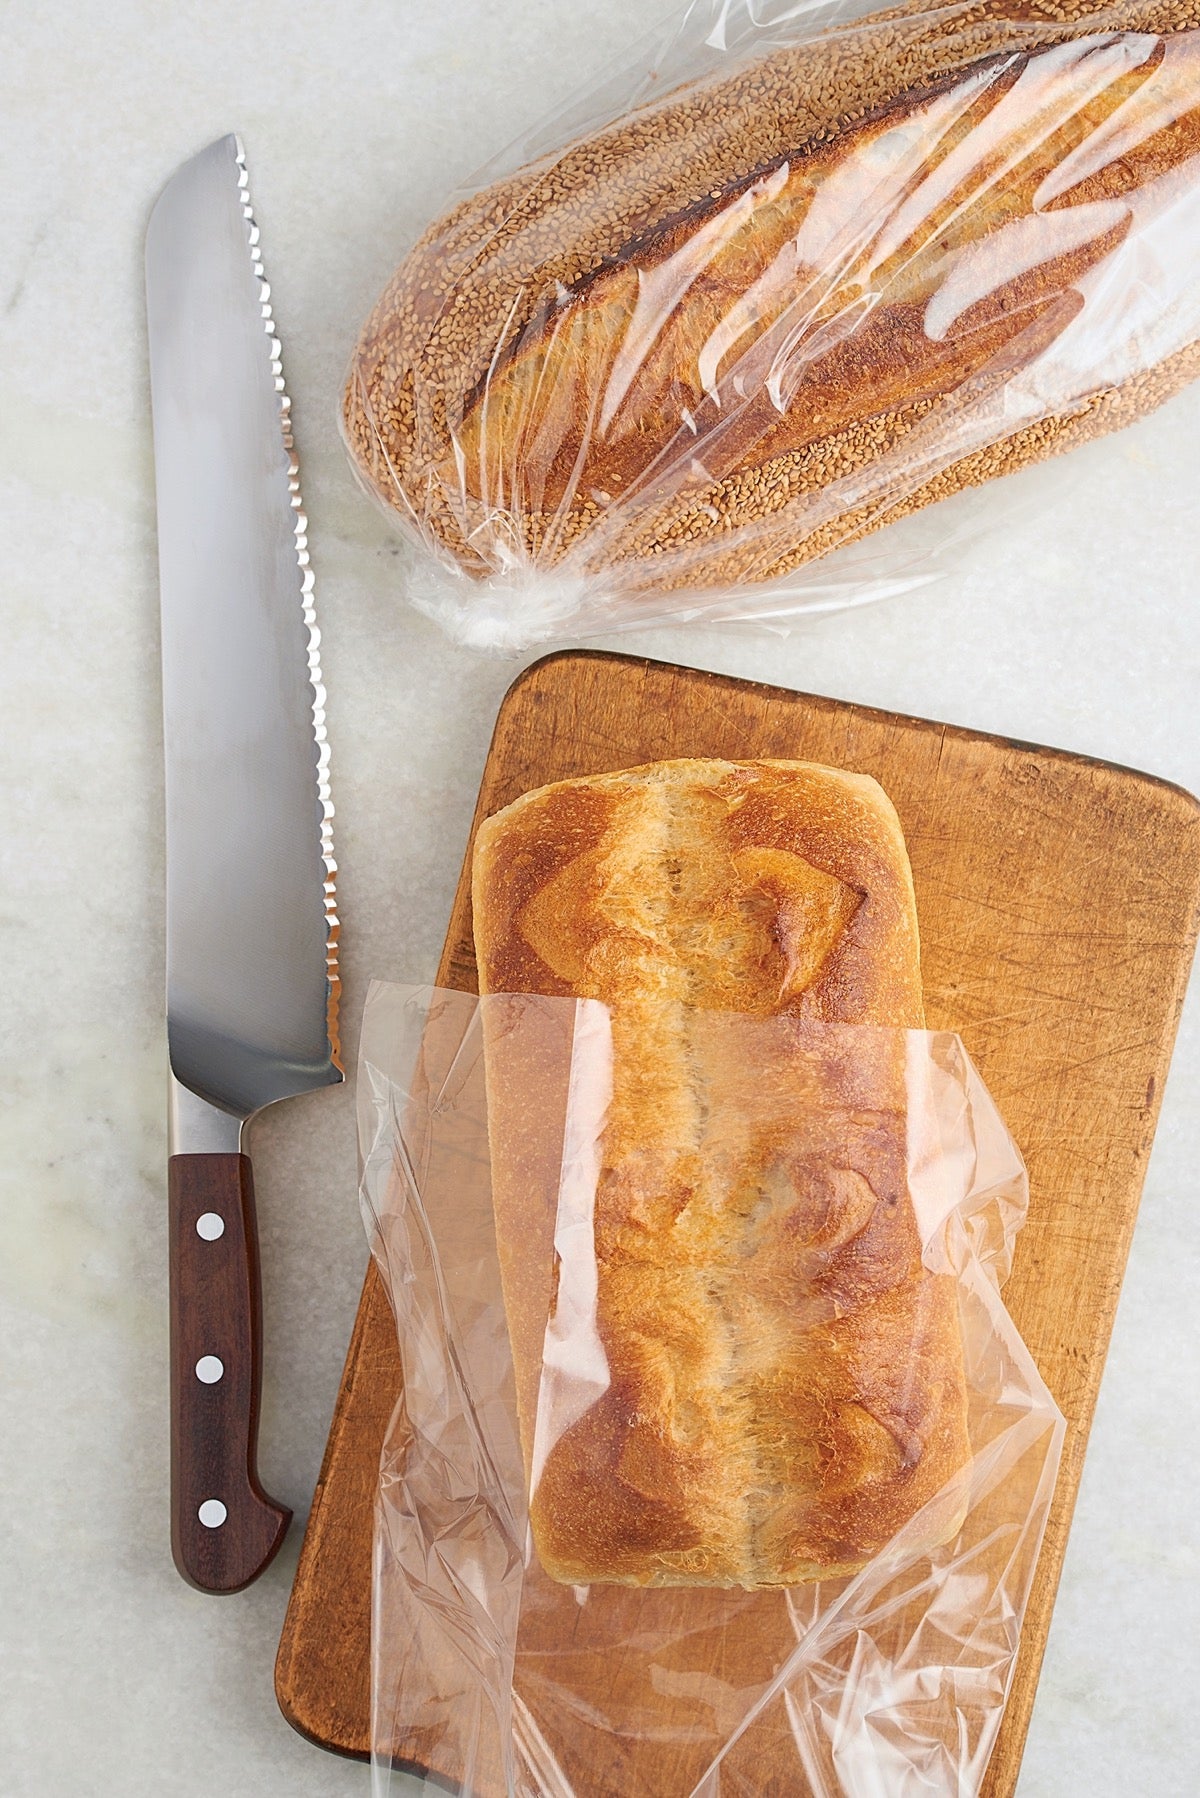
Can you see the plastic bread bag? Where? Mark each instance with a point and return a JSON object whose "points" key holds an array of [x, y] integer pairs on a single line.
{"points": [[790, 276], [720, 1467]]}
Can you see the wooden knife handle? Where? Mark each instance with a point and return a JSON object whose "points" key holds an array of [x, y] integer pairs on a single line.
{"points": [[224, 1528]]}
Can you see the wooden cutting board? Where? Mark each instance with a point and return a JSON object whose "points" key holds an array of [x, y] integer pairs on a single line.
{"points": [[1059, 900]]}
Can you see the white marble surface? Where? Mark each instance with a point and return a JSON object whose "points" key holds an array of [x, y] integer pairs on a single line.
{"points": [[1079, 628]]}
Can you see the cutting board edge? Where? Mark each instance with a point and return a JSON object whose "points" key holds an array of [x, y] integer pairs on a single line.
{"points": [[826, 702], [293, 1700]]}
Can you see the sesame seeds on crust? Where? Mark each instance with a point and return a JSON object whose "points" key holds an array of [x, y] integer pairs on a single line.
{"points": [[475, 281]]}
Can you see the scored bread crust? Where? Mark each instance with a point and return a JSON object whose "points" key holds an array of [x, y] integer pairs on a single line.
{"points": [[529, 439], [782, 1383], [460, 317]]}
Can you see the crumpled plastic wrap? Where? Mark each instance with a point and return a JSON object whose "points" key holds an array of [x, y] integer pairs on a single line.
{"points": [[787, 276], [498, 1679]]}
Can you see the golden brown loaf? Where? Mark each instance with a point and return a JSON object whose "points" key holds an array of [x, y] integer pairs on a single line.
{"points": [[666, 347], [782, 1384]]}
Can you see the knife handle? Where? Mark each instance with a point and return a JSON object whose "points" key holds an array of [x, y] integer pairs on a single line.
{"points": [[224, 1528]]}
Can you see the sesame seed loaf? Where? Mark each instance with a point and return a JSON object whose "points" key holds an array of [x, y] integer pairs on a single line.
{"points": [[766, 313], [754, 1380]]}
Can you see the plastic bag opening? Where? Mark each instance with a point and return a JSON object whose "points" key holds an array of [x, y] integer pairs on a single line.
{"points": [[719, 1460]]}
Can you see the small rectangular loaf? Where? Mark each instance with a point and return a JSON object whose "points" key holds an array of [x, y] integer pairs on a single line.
{"points": [[767, 312], [781, 1385]]}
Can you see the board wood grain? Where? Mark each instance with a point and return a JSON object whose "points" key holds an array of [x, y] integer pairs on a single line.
{"points": [[1059, 900]]}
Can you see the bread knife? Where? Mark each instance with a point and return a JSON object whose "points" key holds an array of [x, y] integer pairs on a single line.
{"points": [[251, 928]]}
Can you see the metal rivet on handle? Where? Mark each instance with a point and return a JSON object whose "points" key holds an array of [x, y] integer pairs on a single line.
{"points": [[212, 1513], [209, 1368], [210, 1225]]}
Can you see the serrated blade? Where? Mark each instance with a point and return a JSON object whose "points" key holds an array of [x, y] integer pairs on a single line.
{"points": [[251, 929]]}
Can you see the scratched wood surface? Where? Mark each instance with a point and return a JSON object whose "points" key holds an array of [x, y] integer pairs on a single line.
{"points": [[1059, 899]]}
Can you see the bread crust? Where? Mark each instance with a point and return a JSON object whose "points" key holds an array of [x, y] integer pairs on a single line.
{"points": [[480, 379], [782, 1383]]}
